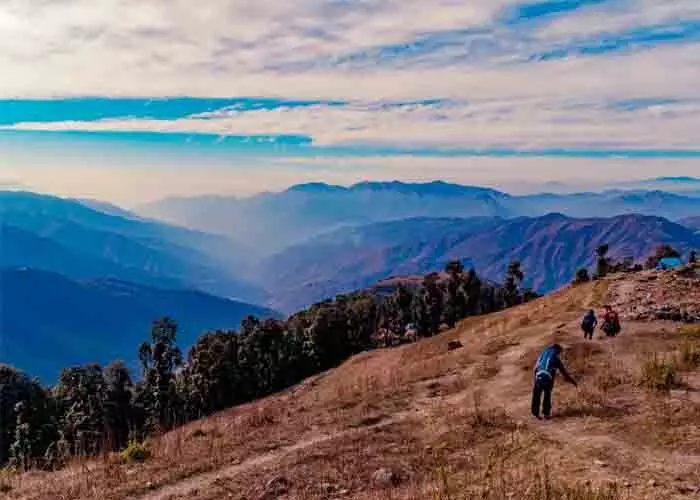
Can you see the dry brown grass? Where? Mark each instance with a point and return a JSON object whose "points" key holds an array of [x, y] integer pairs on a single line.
{"points": [[659, 373], [451, 425]]}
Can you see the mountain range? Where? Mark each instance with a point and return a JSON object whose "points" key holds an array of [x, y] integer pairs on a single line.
{"points": [[270, 222], [81, 280], [70, 238], [551, 248], [48, 322]]}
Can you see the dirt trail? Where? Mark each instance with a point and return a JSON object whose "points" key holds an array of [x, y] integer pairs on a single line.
{"points": [[187, 487]]}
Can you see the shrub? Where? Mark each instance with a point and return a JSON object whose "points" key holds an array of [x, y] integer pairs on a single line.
{"points": [[6, 475], [690, 331], [582, 276], [136, 452], [659, 374], [689, 354]]}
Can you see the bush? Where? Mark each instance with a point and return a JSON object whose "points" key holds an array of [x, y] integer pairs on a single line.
{"points": [[659, 374], [6, 476], [582, 276], [689, 354], [136, 452], [690, 331]]}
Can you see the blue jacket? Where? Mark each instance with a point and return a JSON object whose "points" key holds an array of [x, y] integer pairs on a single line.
{"points": [[549, 363]]}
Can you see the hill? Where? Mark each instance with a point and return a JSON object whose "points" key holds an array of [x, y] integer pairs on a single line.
{"points": [[422, 421], [551, 249], [69, 238], [271, 222], [49, 322]]}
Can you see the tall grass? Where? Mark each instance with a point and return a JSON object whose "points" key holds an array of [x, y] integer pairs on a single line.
{"points": [[659, 373]]}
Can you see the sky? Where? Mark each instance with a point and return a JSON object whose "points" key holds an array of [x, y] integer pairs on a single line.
{"points": [[133, 100]]}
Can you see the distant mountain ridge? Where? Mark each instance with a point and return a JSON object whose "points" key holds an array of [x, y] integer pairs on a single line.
{"points": [[271, 222], [70, 238], [551, 249], [49, 322]]}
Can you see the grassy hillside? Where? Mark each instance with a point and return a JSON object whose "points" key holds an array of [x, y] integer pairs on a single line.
{"points": [[422, 422]]}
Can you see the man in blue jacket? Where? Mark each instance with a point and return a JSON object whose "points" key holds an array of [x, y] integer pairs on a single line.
{"points": [[545, 371]]}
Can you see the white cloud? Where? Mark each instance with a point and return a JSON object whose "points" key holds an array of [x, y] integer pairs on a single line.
{"points": [[231, 47]]}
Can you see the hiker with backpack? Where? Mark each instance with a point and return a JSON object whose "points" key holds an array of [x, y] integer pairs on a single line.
{"points": [[588, 324], [611, 322], [545, 371]]}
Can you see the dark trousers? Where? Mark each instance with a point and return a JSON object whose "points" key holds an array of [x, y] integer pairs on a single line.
{"points": [[543, 387], [588, 333]]}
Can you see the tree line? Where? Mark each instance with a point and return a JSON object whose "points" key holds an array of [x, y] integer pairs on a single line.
{"points": [[93, 409]]}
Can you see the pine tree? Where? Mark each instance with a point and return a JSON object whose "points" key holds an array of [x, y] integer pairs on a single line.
{"points": [[455, 300], [117, 405], [21, 448], [602, 263], [511, 284], [159, 359]]}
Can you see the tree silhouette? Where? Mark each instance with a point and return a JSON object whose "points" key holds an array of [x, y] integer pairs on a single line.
{"points": [[159, 359], [511, 284], [602, 261]]}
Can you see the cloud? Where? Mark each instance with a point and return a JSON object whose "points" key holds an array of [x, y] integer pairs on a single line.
{"points": [[521, 123], [404, 75]]}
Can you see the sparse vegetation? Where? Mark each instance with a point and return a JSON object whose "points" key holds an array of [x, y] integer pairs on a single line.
{"points": [[136, 452], [690, 331], [689, 354], [659, 373]]}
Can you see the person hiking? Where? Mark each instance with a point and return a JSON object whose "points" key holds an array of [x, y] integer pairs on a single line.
{"points": [[545, 371], [588, 324], [611, 322]]}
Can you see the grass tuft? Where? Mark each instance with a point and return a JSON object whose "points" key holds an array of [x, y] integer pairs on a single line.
{"points": [[659, 373], [136, 452]]}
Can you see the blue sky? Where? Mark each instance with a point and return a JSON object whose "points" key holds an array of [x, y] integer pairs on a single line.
{"points": [[109, 98]]}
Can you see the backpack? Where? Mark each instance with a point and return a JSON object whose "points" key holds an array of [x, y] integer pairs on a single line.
{"points": [[612, 325], [543, 366]]}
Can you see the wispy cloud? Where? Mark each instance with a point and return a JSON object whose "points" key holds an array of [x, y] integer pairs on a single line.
{"points": [[335, 77]]}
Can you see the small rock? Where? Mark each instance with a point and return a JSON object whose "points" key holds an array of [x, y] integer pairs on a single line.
{"points": [[385, 478], [627, 484], [278, 485], [150, 485], [600, 463], [652, 483], [342, 493], [327, 487], [454, 345]]}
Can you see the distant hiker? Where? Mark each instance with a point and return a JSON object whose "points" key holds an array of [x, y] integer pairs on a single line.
{"points": [[588, 324], [611, 322], [545, 371]]}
